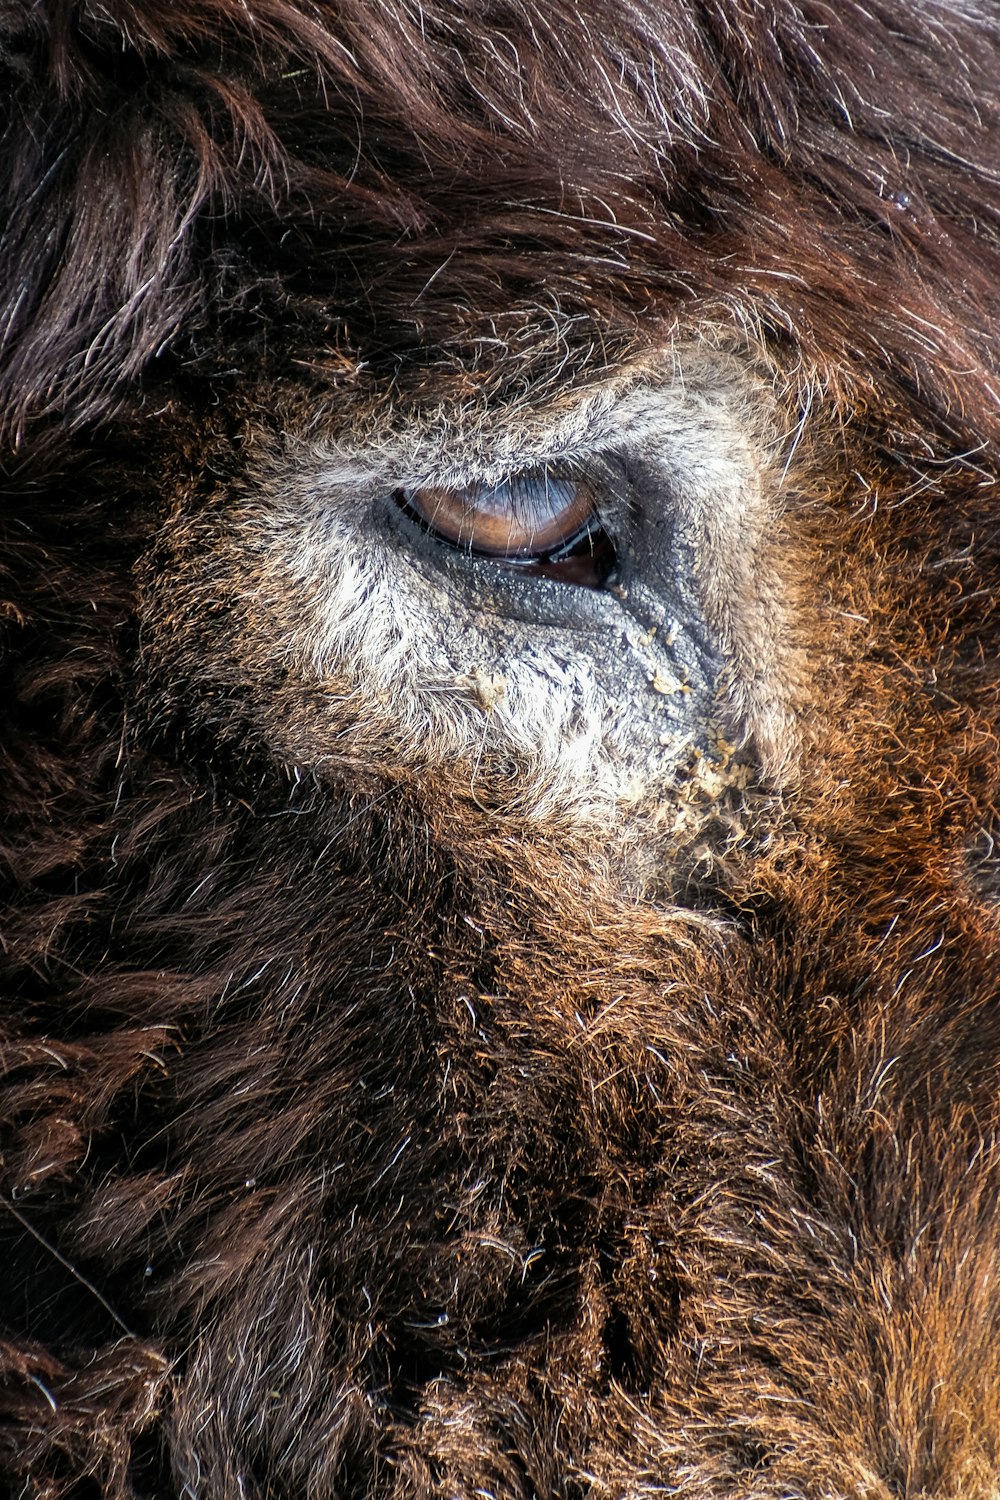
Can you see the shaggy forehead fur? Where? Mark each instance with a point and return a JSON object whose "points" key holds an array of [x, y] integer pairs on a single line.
{"points": [[439, 186], [359, 1135]]}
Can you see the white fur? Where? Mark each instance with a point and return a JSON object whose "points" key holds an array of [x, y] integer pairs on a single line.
{"points": [[416, 678]]}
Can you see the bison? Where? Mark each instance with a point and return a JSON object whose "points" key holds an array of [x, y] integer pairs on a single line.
{"points": [[499, 734]]}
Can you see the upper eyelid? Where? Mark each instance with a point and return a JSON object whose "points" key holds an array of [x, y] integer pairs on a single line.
{"points": [[604, 470], [598, 439]]}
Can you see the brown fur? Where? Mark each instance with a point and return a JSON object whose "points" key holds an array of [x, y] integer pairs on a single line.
{"points": [[358, 1140]]}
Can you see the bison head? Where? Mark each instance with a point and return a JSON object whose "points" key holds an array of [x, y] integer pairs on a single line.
{"points": [[499, 750]]}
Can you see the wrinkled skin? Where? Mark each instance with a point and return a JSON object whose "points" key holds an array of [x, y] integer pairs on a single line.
{"points": [[476, 1029]]}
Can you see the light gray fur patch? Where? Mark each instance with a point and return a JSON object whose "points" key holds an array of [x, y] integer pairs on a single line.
{"points": [[579, 703]]}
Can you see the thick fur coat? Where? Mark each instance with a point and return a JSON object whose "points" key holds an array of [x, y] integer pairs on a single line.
{"points": [[372, 1128]]}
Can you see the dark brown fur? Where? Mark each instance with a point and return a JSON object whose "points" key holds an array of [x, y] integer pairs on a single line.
{"points": [[353, 1143]]}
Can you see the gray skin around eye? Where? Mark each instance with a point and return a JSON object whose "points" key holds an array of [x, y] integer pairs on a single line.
{"points": [[646, 636]]}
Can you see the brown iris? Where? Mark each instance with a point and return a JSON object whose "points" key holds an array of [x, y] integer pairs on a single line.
{"points": [[538, 521]]}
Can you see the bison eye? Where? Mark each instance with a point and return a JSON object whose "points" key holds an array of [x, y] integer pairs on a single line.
{"points": [[540, 522]]}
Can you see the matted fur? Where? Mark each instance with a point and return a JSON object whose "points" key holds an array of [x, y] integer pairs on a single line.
{"points": [[360, 1138]]}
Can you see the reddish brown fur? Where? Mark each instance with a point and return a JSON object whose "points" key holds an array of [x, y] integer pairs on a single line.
{"points": [[357, 1143]]}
